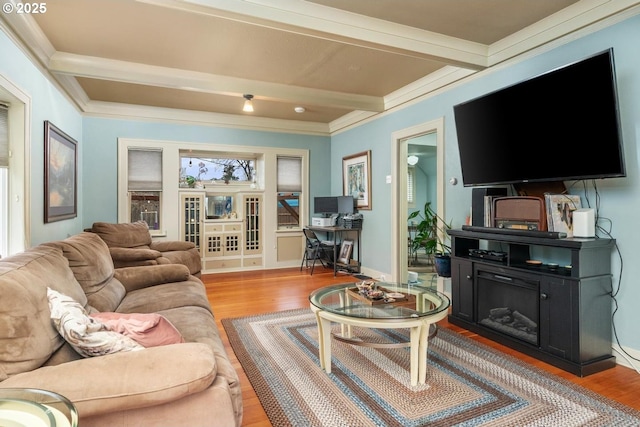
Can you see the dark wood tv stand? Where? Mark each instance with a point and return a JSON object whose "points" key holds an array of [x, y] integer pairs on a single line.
{"points": [[570, 303]]}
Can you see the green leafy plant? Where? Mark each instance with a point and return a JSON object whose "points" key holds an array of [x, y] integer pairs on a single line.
{"points": [[431, 232]]}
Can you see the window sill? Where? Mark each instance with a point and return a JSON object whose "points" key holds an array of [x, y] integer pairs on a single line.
{"points": [[289, 230]]}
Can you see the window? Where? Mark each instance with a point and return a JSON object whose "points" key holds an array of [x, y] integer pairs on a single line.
{"points": [[411, 186], [194, 168], [144, 185], [289, 188]]}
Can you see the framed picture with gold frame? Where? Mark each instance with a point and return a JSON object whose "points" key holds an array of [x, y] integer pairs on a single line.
{"points": [[356, 178]]}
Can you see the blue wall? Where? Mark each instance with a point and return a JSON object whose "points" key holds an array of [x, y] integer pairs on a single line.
{"points": [[618, 197], [100, 159], [46, 103]]}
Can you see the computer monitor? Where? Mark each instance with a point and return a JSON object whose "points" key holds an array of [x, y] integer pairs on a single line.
{"points": [[346, 204], [325, 205]]}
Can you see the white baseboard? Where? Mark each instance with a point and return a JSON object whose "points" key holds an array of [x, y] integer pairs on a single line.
{"points": [[624, 359]]}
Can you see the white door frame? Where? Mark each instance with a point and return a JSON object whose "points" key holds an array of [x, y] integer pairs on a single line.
{"points": [[19, 200], [399, 214]]}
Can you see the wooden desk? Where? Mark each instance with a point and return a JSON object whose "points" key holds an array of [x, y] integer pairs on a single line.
{"points": [[338, 233]]}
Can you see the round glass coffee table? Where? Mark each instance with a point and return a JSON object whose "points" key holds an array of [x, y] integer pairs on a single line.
{"points": [[30, 407], [379, 305]]}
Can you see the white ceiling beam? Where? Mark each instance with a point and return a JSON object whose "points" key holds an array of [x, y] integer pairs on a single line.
{"points": [[341, 26], [143, 74]]}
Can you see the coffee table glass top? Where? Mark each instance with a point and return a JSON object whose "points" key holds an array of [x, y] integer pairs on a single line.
{"points": [[30, 407], [379, 300]]}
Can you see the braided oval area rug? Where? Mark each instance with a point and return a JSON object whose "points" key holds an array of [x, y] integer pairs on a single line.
{"points": [[468, 383]]}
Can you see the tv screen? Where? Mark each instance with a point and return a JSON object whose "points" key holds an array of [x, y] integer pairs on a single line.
{"points": [[325, 205], [559, 126]]}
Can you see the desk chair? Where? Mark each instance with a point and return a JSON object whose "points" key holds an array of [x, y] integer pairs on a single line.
{"points": [[315, 250]]}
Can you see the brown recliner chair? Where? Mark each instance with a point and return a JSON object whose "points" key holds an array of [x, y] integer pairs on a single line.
{"points": [[131, 245]]}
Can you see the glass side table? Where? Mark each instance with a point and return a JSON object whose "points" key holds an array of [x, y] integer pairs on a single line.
{"points": [[30, 407]]}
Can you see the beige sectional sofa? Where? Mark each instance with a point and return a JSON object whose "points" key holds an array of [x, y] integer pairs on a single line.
{"points": [[130, 244], [184, 384]]}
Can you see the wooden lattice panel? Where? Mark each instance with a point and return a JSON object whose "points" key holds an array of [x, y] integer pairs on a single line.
{"points": [[232, 243], [192, 206], [253, 232], [214, 245]]}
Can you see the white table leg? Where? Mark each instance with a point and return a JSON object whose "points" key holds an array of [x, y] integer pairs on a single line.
{"points": [[324, 335], [415, 336], [424, 346]]}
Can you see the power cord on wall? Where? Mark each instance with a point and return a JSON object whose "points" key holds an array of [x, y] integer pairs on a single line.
{"points": [[600, 229]]}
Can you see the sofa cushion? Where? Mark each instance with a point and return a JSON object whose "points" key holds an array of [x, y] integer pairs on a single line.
{"points": [[139, 277], [125, 380], [189, 257], [91, 263], [134, 255], [27, 335], [126, 235], [153, 299], [87, 336]]}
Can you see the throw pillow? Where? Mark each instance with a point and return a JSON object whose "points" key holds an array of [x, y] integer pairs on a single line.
{"points": [[147, 329], [86, 335]]}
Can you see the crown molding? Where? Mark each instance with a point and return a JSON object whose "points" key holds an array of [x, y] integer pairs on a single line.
{"points": [[113, 110], [575, 21]]}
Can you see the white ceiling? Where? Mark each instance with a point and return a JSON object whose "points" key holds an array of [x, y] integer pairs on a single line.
{"points": [[342, 60]]}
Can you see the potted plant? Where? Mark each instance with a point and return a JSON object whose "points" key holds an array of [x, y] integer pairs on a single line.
{"points": [[431, 234]]}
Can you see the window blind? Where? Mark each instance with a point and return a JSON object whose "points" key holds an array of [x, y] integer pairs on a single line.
{"points": [[144, 169], [4, 136], [411, 186], [289, 174]]}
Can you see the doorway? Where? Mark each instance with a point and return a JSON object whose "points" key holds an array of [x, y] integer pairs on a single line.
{"points": [[421, 189], [424, 141]]}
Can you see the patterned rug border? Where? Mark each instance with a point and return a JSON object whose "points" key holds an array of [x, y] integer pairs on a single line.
{"points": [[271, 398]]}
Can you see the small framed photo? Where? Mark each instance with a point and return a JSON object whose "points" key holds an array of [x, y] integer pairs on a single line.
{"points": [[345, 251], [356, 178], [60, 175]]}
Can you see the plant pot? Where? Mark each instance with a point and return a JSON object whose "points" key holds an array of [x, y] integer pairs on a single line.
{"points": [[443, 265]]}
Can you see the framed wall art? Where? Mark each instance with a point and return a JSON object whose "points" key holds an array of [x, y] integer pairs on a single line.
{"points": [[60, 174], [356, 178]]}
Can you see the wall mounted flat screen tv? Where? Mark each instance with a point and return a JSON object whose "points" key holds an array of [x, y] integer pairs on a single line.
{"points": [[559, 126]]}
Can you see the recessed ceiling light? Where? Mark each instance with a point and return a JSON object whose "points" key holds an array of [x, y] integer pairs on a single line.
{"points": [[299, 109]]}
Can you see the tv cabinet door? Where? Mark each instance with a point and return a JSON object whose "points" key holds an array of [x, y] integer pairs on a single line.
{"points": [[462, 289], [558, 316]]}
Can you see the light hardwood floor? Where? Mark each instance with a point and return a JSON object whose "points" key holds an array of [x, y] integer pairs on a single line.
{"points": [[254, 292]]}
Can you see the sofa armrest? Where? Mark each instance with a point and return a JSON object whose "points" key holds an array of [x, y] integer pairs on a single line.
{"points": [[151, 275], [133, 254], [171, 245], [126, 380]]}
